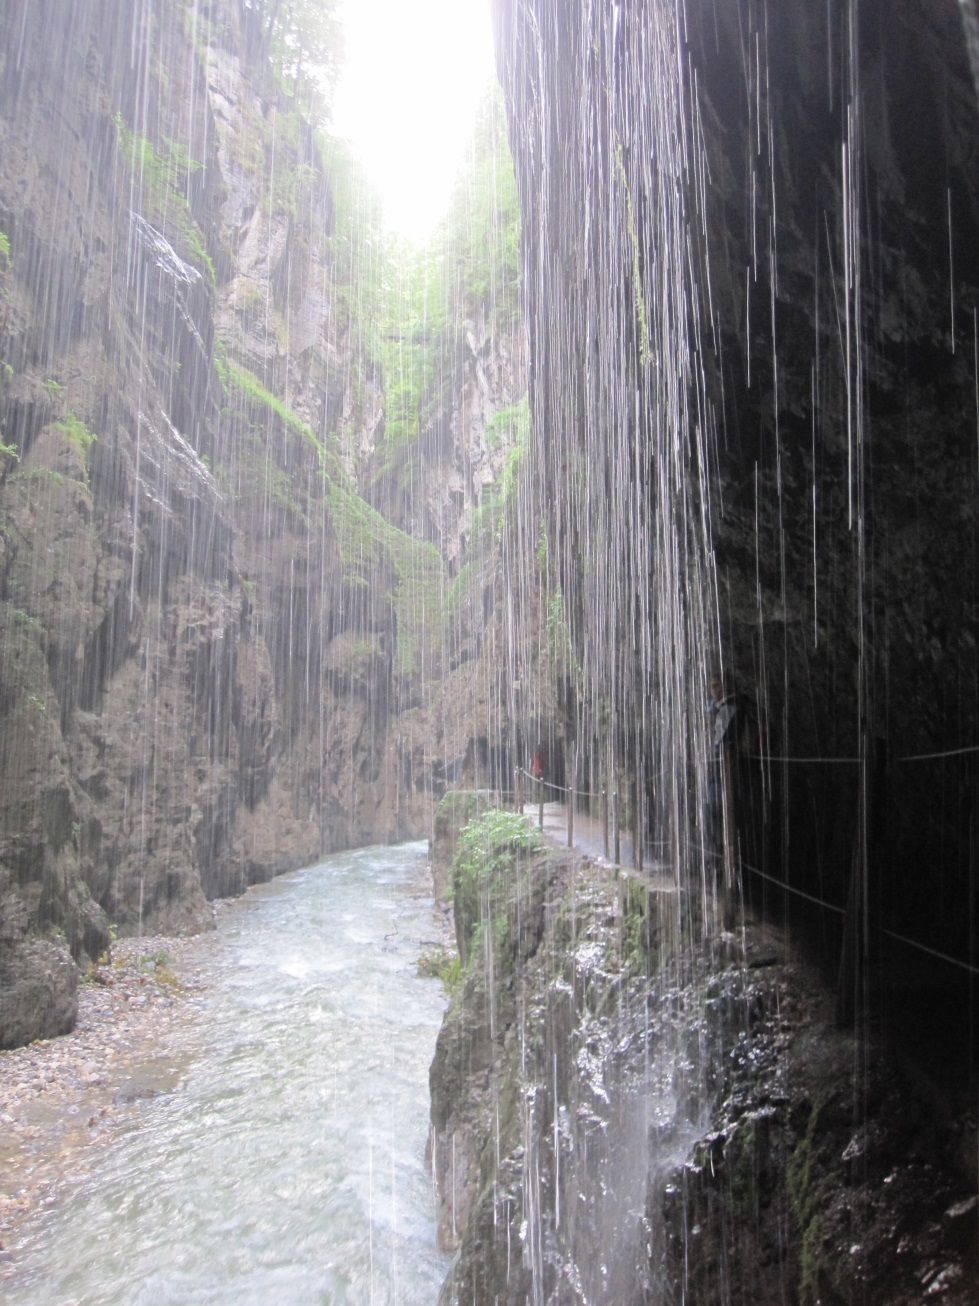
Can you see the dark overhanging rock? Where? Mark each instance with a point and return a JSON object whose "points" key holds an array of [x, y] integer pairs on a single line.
{"points": [[837, 479]]}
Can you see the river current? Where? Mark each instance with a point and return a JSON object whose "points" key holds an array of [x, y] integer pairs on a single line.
{"points": [[288, 1165]]}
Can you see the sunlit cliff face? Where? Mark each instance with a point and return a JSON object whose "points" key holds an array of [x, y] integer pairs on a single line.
{"points": [[413, 77]]}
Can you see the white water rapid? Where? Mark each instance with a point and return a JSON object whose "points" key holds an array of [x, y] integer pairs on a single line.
{"points": [[288, 1166]]}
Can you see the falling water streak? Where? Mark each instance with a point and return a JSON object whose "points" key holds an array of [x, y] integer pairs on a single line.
{"points": [[951, 271], [970, 20]]}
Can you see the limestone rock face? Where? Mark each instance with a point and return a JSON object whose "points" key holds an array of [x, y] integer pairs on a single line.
{"points": [[752, 291], [38, 991], [621, 1114], [206, 634]]}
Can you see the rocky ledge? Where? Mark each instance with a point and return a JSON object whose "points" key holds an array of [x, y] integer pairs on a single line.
{"points": [[624, 1113]]}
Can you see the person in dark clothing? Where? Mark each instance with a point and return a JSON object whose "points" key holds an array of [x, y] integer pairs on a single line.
{"points": [[733, 789]]}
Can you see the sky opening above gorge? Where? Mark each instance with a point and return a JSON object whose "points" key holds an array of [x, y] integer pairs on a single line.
{"points": [[413, 76]]}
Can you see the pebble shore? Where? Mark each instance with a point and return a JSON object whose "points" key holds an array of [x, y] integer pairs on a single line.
{"points": [[63, 1098]]}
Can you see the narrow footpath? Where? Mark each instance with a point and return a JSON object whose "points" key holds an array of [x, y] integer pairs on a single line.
{"points": [[588, 837]]}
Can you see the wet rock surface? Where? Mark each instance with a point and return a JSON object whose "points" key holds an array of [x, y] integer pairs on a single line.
{"points": [[38, 991], [829, 1168], [617, 1118]]}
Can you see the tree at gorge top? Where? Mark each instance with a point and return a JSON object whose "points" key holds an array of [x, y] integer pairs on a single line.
{"points": [[304, 37]]}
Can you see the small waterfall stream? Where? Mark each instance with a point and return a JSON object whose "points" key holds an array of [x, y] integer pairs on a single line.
{"points": [[289, 1165]]}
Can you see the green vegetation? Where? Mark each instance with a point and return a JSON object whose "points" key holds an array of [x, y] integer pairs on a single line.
{"points": [[807, 1196], [482, 232], [9, 451], [79, 436], [160, 966], [370, 546], [443, 964], [638, 293], [511, 428], [239, 378], [304, 41], [488, 848], [460, 589], [4, 247], [37, 476], [54, 388], [25, 621], [164, 179], [469, 273], [542, 547], [560, 650], [637, 925]]}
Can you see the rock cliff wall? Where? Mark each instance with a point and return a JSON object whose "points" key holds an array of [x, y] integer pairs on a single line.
{"points": [[621, 1114], [215, 654], [749, 244]]}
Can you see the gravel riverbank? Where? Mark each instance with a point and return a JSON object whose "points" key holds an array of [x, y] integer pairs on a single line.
{"points": [[62, 1098]]}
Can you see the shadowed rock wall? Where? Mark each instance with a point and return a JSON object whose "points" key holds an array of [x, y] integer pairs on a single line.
{"points": [[750, 245], [205, 632]]}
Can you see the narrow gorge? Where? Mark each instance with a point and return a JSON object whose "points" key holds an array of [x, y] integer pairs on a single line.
{"points": [[314, 538]]}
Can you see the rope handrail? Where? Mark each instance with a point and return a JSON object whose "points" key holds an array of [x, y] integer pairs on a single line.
{"points": [[790, 888], [930, 757], [808, 897], [912, 757], [932, 952], [558, 789], [781, 884], [841, 911]]}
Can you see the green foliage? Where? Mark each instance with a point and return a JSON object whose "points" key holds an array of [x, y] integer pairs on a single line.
{"points": [[542, 547], [164, 180], [560, 651], [469, 273], [486, 850], [636, 924], [239, 378], [54, 388], [79, 436], [460, 589], [487, 844], [25, 621], [304, 40], [638, 293], [9, 451], [4, 246], [482, 233], [810, 1190], [369, 546], [442, 964], [511, 425], [37, 476]]}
